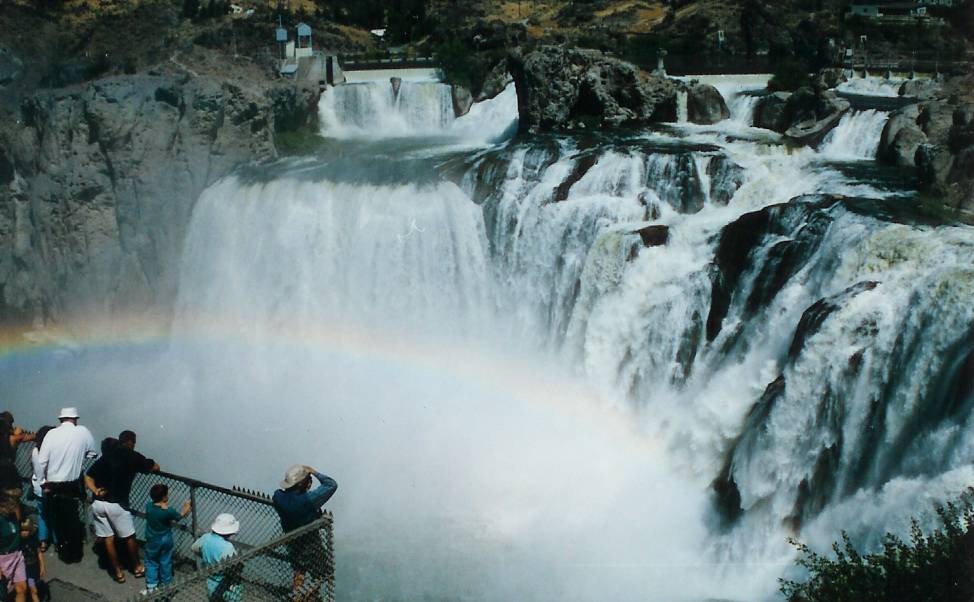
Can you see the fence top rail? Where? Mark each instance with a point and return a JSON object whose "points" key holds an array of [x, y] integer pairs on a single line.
{"points": [[253, 496], [247, 494], [323, 523]]}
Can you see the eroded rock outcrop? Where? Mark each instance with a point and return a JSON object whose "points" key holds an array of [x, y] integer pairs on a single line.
{"points": [[559, 88], [98, 181], [936, 136]]}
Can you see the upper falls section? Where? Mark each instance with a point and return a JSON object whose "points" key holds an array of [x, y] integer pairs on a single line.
{"points": [[411, 103]]}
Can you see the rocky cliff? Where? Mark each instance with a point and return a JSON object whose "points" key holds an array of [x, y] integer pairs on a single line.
{"points": [[936, 136], [98, 181], [559, 87]]}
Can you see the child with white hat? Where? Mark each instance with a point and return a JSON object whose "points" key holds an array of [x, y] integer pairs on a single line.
{"points": [[215, 547]]}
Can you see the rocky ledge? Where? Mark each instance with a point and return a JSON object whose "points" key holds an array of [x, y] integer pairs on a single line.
{"points": [[562, 88], [804, 117], [98, 182], [936, 136]]}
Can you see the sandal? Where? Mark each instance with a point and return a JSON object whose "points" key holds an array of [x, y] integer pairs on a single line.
{"points": [[139, 572], [119, 577]]}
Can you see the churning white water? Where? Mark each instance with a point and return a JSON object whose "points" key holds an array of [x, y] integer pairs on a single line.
{"points": [[559, 370], [856, 136], [871, 86], [378, 109]]}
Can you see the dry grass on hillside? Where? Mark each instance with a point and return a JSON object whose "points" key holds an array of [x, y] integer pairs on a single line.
{"points": [[636, 16]]}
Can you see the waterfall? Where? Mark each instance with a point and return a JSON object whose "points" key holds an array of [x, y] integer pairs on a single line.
{"points": [[871, 86], [681, 106], [741, 96], [704, 343], [375, 109], [856, 136]]}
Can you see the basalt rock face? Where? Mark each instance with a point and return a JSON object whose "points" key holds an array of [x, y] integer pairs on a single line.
{"points": [[559, 88], [705, 105], [804, 117], [936, 136], [811, 115], [97, 184]]}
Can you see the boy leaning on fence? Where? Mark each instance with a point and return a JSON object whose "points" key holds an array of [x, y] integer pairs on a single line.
{"points": [[159, 518]]}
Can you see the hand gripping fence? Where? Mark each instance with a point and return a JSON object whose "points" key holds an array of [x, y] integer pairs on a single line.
{"points": [[269, 564]]}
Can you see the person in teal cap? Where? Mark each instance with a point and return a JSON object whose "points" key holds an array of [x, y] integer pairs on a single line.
{"points": [[215, 547]]}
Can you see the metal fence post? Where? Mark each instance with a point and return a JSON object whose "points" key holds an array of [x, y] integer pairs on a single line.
{"points": [[192, 501]]}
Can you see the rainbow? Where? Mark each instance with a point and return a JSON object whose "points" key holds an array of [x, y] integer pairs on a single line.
{"points": [[500, 370]]}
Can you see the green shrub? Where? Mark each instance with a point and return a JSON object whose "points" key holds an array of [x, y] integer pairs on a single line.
{"points": [[788, 76], [928, 568]]}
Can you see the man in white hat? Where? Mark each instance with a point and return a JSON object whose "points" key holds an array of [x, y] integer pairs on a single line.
{"points": [[297, 505], [60, 462], [215, 547]]}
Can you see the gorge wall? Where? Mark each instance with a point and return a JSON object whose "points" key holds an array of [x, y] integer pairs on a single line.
{"points": [[98, 181]]}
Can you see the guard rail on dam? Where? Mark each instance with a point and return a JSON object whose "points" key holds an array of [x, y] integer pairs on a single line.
{"points": [[262, 568]]}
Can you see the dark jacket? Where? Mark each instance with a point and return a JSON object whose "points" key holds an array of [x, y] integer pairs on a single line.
{"points": [[299, 508]]}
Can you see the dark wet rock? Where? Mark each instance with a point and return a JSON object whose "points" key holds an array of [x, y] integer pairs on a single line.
{"points": [[559, 86], [581, 167], [769, 112], [727, 493], [705, 105], [921, 89], [655, 235], [829, 78], [799, 223], [726, 178], [676, 181], [811, 115], [494, 83], [901, 137], [462, 100], [397, 85], [813, 318]]}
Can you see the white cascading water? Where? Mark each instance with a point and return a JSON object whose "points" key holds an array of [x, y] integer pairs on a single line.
{"points": [[856, 136], [741, 93], [682, 115], [522, 399], [375, 109], [871, 86]]}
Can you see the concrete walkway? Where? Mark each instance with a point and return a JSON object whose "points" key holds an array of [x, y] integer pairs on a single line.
{"points": [[87, 581]]}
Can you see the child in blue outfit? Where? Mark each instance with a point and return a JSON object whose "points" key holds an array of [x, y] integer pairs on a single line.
{"points": [[159, 518], [215, 547]]}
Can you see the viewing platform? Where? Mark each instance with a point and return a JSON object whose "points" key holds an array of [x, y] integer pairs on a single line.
{"points": [[262, 565]]}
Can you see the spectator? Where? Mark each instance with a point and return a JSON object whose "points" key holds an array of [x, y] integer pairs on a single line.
{"points": [[159, 518], [34, 565], [61, 460], [298, 505], [10, 437], [37, 491], [215, 547], [110, 480], [11, 558]]}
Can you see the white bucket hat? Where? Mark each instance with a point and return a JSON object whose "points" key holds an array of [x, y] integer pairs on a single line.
{"points": [[293, 476], [225, 524], [68, 412]]}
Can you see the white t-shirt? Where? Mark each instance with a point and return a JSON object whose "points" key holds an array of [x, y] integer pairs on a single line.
{"points": [[37, 479], [64, 451]]}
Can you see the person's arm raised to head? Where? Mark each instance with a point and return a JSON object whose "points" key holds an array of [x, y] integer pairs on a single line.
{"points": [[323, 492]]}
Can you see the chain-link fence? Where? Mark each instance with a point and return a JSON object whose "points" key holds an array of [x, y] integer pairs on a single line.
{"points": [[269, 560], [298, 566]]}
